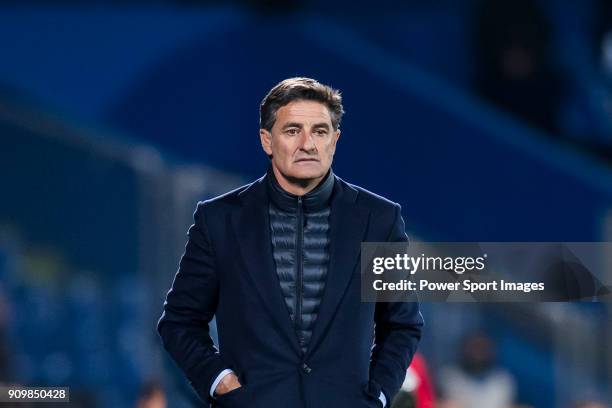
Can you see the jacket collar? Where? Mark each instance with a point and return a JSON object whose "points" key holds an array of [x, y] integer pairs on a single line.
{"points": [[314, 200]]}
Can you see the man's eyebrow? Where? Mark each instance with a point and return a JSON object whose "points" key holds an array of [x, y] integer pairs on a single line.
{"points": [[321, 125], [292, 124]]}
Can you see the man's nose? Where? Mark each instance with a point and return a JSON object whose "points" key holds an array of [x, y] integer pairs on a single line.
{"points": [[307, 142]]}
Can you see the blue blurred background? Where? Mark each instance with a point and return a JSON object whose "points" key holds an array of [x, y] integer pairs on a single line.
{"points": [[485, 120]]}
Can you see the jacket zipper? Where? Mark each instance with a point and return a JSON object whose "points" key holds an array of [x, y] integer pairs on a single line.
{"points": [[300, 272]]}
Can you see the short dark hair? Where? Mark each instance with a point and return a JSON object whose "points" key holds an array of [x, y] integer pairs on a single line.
{"points": [[299, 88]]}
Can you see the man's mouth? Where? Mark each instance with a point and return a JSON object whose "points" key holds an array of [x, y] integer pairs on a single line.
{"points": [[306, 160]]}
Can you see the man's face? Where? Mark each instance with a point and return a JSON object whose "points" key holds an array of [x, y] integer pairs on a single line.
{"points": [[302, 141]]}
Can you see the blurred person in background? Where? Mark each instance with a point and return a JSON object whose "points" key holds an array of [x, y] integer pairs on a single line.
{"points": [[151, 396], [418, 389], [476, 381], [276, 262], [514, 68]]}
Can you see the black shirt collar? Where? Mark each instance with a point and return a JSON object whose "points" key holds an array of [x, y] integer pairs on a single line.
{"points": [[315, 200]]}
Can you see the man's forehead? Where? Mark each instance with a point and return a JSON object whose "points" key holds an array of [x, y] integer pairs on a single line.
{"points": [[304, 111]]}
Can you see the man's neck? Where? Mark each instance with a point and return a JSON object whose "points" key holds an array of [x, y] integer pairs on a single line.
{"points": [[297, 187]]}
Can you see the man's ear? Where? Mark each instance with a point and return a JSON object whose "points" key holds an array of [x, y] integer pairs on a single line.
{"points": [[266, 141], [336, 136]]}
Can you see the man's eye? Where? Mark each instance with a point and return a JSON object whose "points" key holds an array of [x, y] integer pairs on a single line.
{"points": [[292, 132], [320, 132]]}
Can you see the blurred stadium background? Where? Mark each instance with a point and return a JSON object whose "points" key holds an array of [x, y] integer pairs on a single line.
{"points": [[487, 121]]}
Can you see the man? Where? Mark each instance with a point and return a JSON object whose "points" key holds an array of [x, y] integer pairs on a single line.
{"points": [[277, 263]]}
